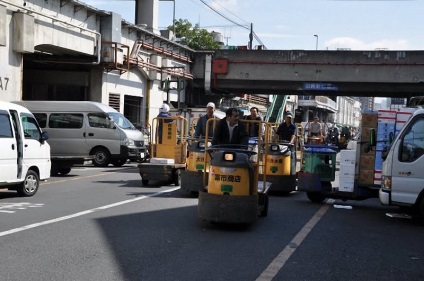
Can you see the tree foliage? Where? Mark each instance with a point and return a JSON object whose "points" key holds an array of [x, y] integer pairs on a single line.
{"points": [[195, 37]]}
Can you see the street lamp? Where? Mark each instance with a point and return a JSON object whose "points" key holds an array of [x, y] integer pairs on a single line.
{"points": [[316, 45], [173, 15]]}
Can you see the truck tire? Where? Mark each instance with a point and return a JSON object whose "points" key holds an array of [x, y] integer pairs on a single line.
{"points": [[101, 157], [421, 209], [145, 182], [315, 197], [263, 203], [30, 184]]}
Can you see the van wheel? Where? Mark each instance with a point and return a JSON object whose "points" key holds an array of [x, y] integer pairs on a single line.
{"points": [[30, 185], [65, 171], [119, 162], [101, 157]]}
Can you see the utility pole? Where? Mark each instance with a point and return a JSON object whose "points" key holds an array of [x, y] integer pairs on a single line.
{"points": [[251, 36]]}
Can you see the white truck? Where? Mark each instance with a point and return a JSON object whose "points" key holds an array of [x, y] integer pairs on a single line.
{"points": [[402, 181]]}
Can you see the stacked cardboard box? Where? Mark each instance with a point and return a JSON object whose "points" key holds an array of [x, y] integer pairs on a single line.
{"points": [[369, 120]]}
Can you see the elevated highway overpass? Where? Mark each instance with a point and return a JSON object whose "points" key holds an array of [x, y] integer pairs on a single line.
{"points": [[298, 72]]}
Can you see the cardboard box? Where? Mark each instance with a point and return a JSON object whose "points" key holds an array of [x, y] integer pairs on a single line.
{"points": [[369, 119], [367, 162], [366, 177]]}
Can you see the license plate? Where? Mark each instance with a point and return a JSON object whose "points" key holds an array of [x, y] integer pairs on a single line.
{"points": [[141, 154]]}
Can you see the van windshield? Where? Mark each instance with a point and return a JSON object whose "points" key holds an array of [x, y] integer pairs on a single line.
{"points": [[121, 121]]}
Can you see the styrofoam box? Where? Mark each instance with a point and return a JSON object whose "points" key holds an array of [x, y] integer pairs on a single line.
{"points": [[346, 186], [403, 116], [382, 121], [347, 172], [386, 113], [162, 161], [347, 156], [399, 125]]}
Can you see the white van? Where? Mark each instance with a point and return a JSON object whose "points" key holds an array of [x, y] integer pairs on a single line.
{"points": [[402, 182], [25, 154], [86, 130]]}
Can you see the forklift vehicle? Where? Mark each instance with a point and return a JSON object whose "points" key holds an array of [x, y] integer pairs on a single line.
{"points": [[318, 171], [168, 151], [232, 192], [197, 160]]}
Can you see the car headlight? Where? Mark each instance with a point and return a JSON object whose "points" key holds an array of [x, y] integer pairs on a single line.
{"points": [[131, 142], [125, 141]]}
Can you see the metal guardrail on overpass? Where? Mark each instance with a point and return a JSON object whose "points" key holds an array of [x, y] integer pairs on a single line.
{"points": [[324, 73]]}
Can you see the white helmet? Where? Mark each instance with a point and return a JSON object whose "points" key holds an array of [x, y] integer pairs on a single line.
{"points": [[164, 108]]}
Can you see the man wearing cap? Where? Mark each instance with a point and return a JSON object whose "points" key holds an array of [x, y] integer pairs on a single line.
{"points": [[286, 131], [164, 116], [201, 123]]}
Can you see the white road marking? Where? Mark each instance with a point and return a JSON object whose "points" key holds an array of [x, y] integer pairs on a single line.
{"points": [[275, 266], [17, 206], [34, 225]]}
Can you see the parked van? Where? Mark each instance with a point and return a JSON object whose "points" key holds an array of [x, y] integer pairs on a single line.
{"points": [[84, 130], [25, 154], [402, 182]]}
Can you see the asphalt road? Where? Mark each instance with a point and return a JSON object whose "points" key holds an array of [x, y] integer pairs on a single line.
{"points": [[102, 224]]}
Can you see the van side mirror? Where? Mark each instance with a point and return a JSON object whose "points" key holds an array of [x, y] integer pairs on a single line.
{"points": [[44, 137]]}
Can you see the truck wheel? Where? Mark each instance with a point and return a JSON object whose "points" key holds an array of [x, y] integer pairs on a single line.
{"points": [[145, 182], [421, 206], [263, 203], [54, 171], [30, 185], [315, 197], [101, 157], [65, 171], [176, 177], [119, 162]]}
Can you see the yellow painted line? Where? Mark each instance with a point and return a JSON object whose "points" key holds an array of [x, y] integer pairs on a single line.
{"points": [[272, 270]]}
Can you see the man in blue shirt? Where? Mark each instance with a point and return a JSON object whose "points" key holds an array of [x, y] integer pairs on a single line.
{"points": [[201, 123]]}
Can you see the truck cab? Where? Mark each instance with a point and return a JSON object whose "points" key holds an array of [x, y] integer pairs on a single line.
{"points": [[402, 173]]}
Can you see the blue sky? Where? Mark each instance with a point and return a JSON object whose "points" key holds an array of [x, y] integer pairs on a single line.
{"points": [[292, 24]]}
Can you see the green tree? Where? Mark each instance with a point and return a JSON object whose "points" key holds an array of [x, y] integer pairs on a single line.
{"points": [[195, 37]]}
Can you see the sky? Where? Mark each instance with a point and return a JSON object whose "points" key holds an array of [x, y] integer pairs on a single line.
{"points": [[296, 24]]}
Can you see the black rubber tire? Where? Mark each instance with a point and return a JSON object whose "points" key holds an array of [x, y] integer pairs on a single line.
{"points": [[145, 182], [421, 209], [119, 162], [101, 157], [65, 171], [176, 177], [315, 197], [264, 201], [30, 185], [54, 171]]}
